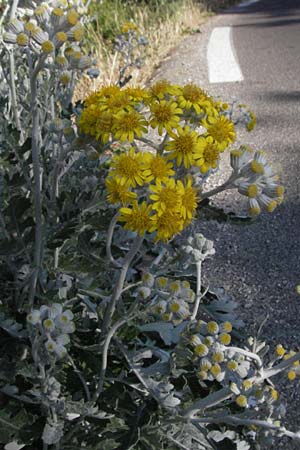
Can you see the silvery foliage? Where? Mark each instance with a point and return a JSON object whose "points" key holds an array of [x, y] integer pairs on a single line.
{"points": [[130, 47], [56, 388]]}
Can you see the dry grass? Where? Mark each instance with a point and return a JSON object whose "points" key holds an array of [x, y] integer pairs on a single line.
{"points": [[162, 37]]}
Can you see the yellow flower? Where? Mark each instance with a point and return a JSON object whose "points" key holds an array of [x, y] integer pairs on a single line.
{"points": [[167, 225], [165, 115], [163, 88], [194, 97], [189, 198], [138, 94], [129, 168], [184, 147], [210, 155], [137, 218], [118, 192], [129, 124], [221, 130], [157, 167], [165, 196], [96, 122], [128, 26], [112, 98], [103, 126]]}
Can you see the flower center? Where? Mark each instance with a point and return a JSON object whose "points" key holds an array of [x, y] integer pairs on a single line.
{"points": [[210, 153], [129, 122], [127, 166], [184, 144], [163, 113], [192, 93]]}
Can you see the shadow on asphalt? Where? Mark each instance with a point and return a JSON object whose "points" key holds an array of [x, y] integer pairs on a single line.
{"points": [[269, 24]]}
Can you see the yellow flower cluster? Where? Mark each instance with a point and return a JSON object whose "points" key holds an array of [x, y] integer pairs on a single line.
{"points": [[126, 115], [159, 202], [152, 185]]}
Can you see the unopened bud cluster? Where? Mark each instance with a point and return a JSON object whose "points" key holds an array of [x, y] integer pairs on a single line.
{"points": [[257, 179], [198, 248], [52, 31], [53, 325], [172, 299]]}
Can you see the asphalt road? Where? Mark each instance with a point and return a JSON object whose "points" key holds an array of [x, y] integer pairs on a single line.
{"points": [[259, 264]]}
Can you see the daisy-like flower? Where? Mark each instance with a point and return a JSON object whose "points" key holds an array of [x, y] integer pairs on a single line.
{"points": [[157, 167], [165, 115], [138, 94], [118, 192], [162, 89], [97, 123], [129, 167], [208, 157], [114, 99], [137, 218], [166, 196], [194, 97], [184, 147], [64, 321], [189, 198], [128, 125], [167, 225], [221, 130]]}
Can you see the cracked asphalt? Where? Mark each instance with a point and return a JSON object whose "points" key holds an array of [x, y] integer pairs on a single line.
{"points": [[259, 264]]}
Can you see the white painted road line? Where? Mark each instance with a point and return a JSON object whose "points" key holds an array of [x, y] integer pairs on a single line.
{"points": [[247, 3], [222, 64]]}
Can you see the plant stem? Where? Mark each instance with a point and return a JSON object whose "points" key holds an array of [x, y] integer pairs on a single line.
{"points": [[13, 9], [119, 284], [268, 373], [227, 185], [231, 420], [198, 292], [35, 150], [247, 353], [108, 339], [110, 233], [210, 400], [150, 143], [81, 378]]}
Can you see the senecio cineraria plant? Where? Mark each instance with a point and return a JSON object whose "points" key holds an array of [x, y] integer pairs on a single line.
{"points": [[111, 339]]}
